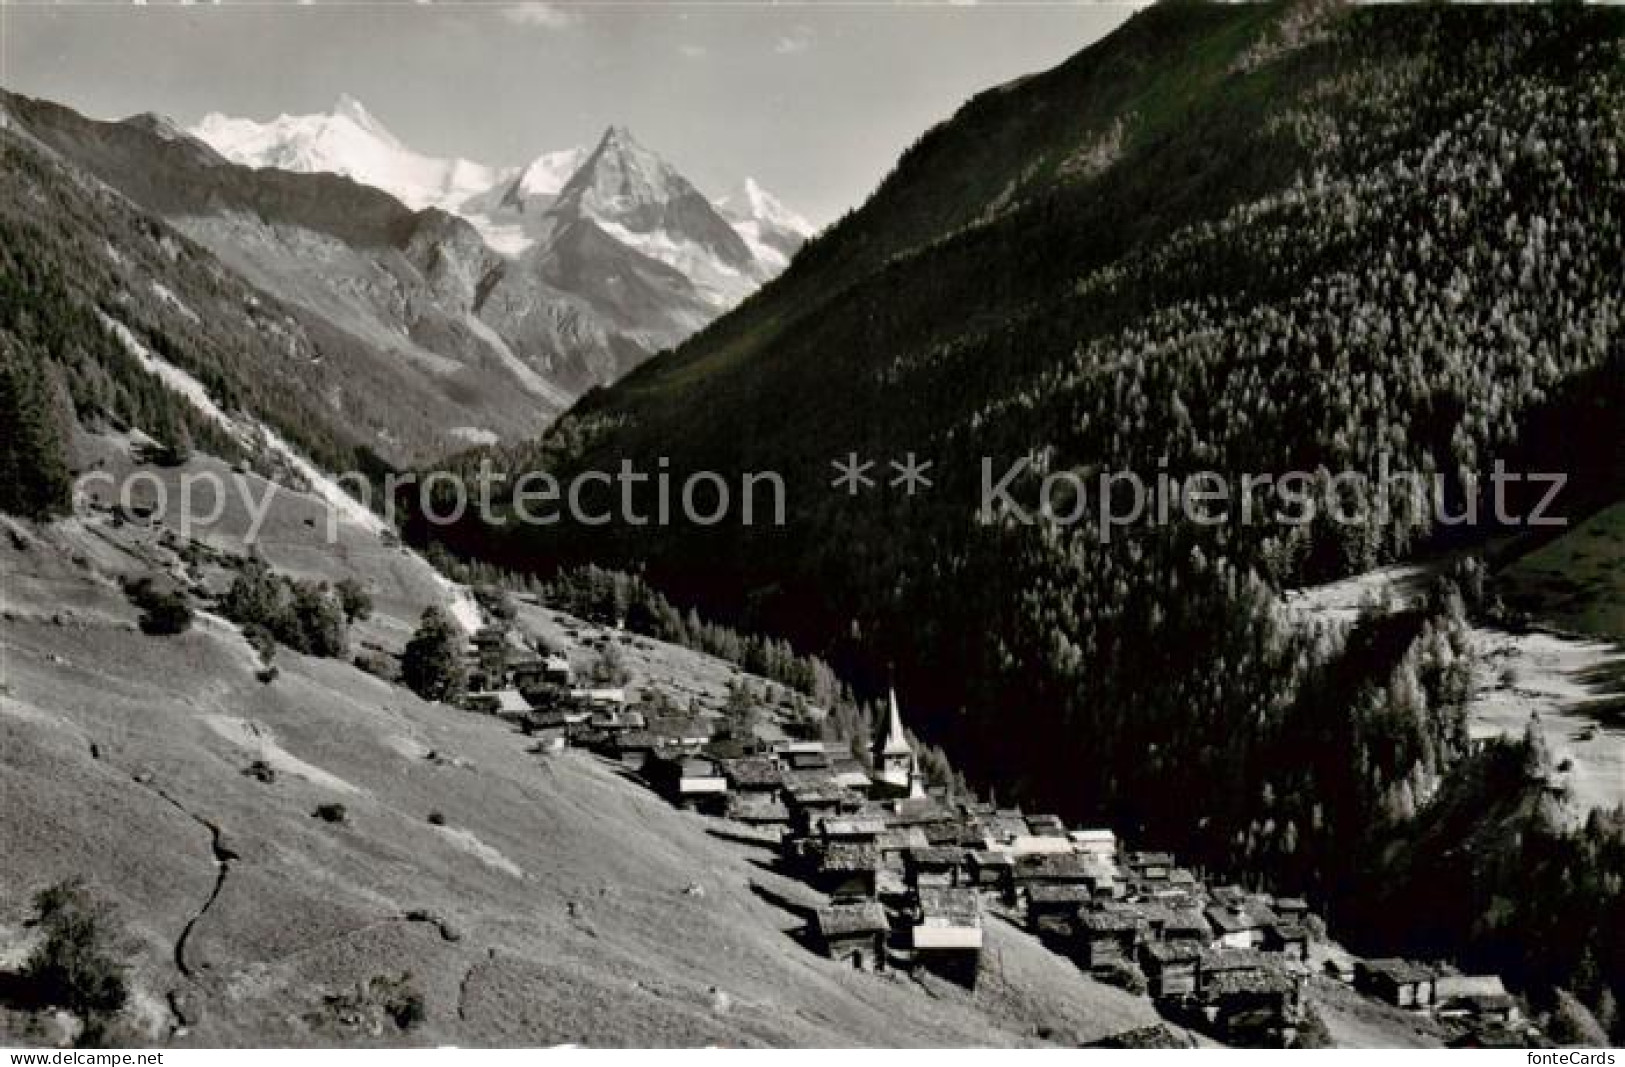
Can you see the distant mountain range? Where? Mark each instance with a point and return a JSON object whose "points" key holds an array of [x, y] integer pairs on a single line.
{"points": [[475, 302], [622, 186]]}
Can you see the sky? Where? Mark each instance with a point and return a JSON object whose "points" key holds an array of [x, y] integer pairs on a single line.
{"points": [[815, 100]]}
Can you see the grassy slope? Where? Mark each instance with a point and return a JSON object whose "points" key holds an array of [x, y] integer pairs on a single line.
{"points": [[568, 885], [1578, 580]]}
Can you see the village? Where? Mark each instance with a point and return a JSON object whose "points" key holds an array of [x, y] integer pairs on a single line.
{"points": [[910, 875]]}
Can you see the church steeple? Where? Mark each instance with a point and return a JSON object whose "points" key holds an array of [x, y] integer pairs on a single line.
{"points": [[891, 740], [893, 757]]}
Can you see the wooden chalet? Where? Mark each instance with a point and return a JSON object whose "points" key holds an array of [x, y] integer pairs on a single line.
{"points": [[1170, 967], [946, 933], [508, 704], [1024, 845], [1399, 982], [761, 810], [758, 775], [1048, 826], [919, 811], [1291, 909], [896, 842], [1252, 1008], [1288, 939], [1101, 844], [1479, 998], [853, 933], [1240, 925], [1005, 825], [684, 734], [854, 826], [846, 870], [1107, 938], [1213, 963], [549, 730], [934, 866], [1061, 868], [690, 782], [1064, 899], [634, 749], [1150, 866], [809, 802], [811, 760]]}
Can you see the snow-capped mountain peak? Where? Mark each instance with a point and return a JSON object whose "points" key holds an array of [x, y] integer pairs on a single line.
{"points": [[749, 202], [351, 141], [549, 172], [641, 201], [772, 231], [621, 176], [351, 110]]}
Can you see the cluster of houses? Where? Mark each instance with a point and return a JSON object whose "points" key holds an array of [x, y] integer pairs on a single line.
{"points": [[910, 873]]}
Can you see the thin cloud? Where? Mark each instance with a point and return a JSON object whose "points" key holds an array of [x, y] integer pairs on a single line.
{"points": [[693, 51], [798, 39], [540, 16]]}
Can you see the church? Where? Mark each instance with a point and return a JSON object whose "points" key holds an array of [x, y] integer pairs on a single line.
{"points": [[896, 771]]}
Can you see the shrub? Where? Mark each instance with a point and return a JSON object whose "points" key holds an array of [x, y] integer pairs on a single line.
{"points": [[79, 963], [400, 1000], [1124, 975], [318, 621], [163, 614], [376, 664], [261, 771], [436, 819], [334, 813], [609, 668], [306, 616], [354, 599]]}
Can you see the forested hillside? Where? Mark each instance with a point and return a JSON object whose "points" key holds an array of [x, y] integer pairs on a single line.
{"points": [[78, 263], [1244, 239]]}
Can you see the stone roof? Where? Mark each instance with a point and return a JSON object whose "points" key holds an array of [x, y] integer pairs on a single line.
{"points": [[1461, 985], [918, 811], [1065, 893], [1166, 952], [1109, 922], [1060, 866], [753, 772], [948, 906], [845, 920], [1235, 920], [1233, 983], [1396, 970], [851, 826], [1220, 960], [850, 856], [756, 808], [899, 838]]}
